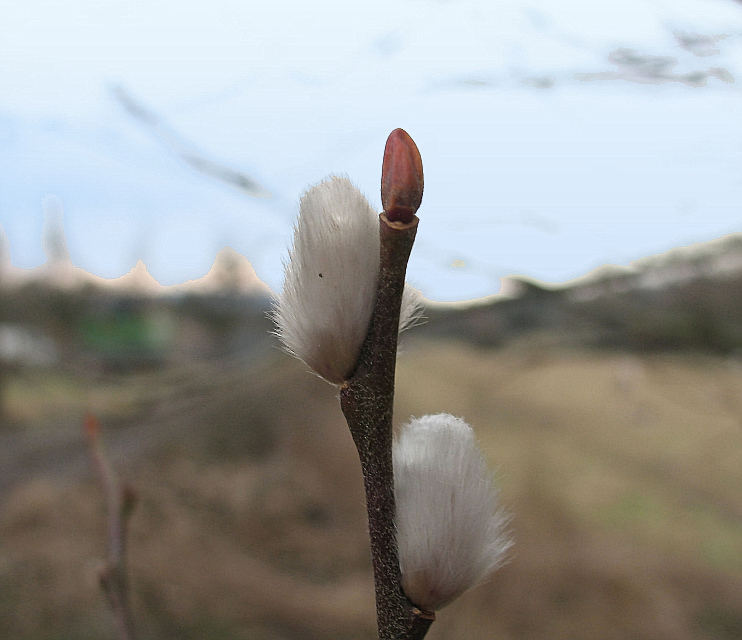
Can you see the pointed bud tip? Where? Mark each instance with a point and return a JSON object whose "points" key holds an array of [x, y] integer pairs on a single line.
{"points": [[401, 177]]}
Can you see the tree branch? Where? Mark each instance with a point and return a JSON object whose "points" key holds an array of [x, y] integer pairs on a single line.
{"points": [[367, 402], [185, 149], [120, 500]]}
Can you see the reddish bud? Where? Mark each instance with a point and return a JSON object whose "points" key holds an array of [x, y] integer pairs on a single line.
{"points": [[92, 426], [401, 177]]}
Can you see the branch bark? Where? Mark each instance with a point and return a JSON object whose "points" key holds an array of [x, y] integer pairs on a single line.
{"points": [[120, 499], [367, 400]]}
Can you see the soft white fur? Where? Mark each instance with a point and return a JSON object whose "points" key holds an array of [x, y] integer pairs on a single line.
{"points": [[329, 288], [323, 319], [411, 311], [450, 530]]}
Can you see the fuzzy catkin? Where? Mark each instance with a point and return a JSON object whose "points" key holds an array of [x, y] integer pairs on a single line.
{"points": [[450, 529], [323, 313], [412, 307]]}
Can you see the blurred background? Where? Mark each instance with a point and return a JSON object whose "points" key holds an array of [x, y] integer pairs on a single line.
{"points": [[579, 250]]}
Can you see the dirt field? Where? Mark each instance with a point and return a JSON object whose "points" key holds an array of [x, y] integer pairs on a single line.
{"points": [[622, 472]]}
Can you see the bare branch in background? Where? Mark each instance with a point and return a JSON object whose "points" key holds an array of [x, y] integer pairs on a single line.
{"points": [[120, 499], [188, 152]]}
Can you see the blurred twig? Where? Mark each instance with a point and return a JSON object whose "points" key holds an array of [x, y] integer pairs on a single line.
{"points": [[158, 127], [120, 500]]}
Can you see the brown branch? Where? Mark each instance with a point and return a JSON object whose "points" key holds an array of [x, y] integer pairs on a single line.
{"points": [[367, 398], [367, 401], [185, 149], [120, 501]]}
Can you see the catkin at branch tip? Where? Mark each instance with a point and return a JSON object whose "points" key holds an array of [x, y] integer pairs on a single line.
{"points": [[323, 313]]}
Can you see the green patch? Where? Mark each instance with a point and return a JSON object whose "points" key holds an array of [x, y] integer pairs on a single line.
{"points": [[720, 624], [34, 396], [631, 509]]}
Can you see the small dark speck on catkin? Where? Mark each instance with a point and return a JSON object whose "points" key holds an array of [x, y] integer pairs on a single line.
{"points": [[319, 274]]}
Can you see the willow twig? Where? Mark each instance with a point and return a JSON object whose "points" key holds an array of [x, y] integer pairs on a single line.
{"points": [[120, 499], [367, 401]]}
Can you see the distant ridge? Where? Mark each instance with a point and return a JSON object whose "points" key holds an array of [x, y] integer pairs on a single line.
{"points": [[717, 258], [139, 281], [689, 297], [231, 273]]}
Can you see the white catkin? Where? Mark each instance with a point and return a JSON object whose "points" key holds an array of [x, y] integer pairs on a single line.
{"points": [[450, 529], [323, 313], [411, 311]]}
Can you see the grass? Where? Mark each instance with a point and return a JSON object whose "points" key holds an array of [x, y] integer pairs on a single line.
{"points": [[621, 472]]}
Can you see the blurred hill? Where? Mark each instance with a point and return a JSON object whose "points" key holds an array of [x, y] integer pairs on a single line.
{"points": [[612, 419], [689, 298]]}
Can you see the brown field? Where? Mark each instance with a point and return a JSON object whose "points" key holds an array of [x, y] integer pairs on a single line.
{"points": [[622, 472]]}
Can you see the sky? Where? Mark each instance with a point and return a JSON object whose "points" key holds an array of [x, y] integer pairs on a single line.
{"points": [[556, 136]]}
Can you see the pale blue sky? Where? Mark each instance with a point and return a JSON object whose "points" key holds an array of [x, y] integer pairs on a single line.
{"points": [[556, 135]]}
